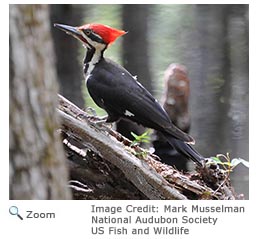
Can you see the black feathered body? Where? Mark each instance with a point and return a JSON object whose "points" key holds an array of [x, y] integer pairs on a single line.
{"points": [[114, 89]]}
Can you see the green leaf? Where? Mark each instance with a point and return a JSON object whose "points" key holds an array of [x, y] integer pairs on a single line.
{"points": [[228, 164], [216, 160], [134, 135], [143, 138]]}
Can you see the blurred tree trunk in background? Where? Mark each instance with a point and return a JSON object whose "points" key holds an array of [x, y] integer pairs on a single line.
{"points": [[37, 163], [217, 40], [135, 53], [223, 78], [212, 42], [175, 102], [216, 55], [69, 67], [135, 44]]}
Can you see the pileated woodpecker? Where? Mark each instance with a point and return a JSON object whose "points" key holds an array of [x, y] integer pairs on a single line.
{"points": [[115, 90]]}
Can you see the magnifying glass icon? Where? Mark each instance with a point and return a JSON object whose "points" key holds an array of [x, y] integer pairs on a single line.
{"points": [[13, 210]]}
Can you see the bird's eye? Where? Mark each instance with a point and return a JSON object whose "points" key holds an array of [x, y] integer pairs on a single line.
{"points": [[87, 31]]}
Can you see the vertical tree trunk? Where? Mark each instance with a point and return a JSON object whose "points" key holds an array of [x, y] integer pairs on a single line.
{"points": [[238, 113], [69, 69], [37, 162], [135, 54], [218, 66], [217, 59], [135, 44]]}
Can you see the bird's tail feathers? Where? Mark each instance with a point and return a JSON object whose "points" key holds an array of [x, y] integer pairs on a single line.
{"points": [[185, 149]]}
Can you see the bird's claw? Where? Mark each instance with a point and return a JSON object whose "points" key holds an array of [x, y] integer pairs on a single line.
{"points": [[91, 111]]}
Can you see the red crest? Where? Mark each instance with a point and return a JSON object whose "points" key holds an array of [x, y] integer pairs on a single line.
{"points": [[108, 34]]}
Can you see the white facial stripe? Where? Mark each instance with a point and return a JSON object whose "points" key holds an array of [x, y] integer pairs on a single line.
{"points": [[95, 44], [94, 60], [99, 47]]}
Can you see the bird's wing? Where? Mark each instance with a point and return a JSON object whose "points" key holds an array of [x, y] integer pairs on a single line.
{"points": [[143, 108], [121, 95]]}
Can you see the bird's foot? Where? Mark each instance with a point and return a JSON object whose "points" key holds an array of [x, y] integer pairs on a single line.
{"points": [[91, 111], [101, 121]]}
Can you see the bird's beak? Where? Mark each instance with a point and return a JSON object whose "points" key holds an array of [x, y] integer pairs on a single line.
{"points": [[74, 31]]}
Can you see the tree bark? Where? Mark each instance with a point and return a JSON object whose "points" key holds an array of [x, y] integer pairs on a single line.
{"points": [[155, 180], [38, 167]]}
